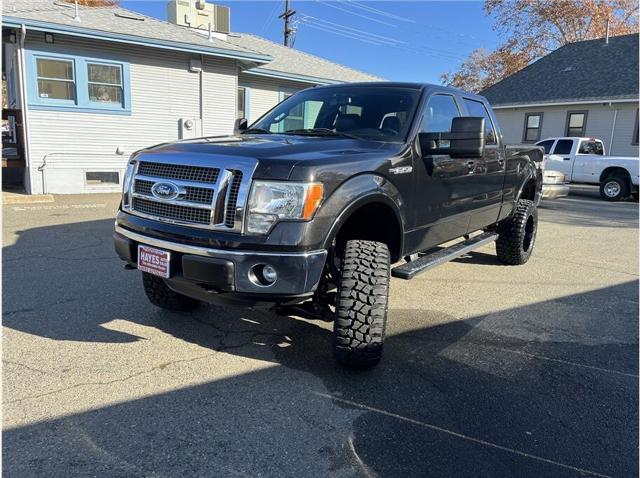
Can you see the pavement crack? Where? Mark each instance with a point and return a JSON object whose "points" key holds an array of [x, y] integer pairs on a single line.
{"points": [[28, 367], [161, 366]]}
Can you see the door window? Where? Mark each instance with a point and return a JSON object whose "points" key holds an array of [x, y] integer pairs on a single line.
{"points": [[476, 108], [438, 114], [563, 146], [547, 144], [242, 102]]}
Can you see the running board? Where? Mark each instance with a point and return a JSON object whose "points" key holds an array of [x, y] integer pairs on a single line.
{"points": [[411, 269]]}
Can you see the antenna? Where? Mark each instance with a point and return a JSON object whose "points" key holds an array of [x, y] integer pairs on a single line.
{"points": [[285, 16], [77, 17], [606, 40]]}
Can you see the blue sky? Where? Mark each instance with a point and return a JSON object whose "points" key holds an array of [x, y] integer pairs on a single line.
{"points": [[397, 40]]}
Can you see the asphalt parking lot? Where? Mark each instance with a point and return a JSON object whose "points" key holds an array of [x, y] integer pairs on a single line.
{"points": [[489, 370]]}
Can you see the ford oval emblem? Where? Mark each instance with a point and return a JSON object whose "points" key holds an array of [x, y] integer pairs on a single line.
{"points": [[165, 191]]}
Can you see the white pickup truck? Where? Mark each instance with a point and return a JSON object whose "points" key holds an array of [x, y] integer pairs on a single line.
{"points": [[583, 160]]}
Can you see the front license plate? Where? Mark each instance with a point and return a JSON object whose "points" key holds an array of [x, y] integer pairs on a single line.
{"points": [[154, 261]]}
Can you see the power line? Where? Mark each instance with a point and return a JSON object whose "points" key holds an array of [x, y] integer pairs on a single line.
{"points": [[371, 19], [371, 9]]}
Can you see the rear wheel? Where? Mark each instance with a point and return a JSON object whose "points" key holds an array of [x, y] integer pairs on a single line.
{"points": [[159, 294], [517, 235], [361, 304], [614, 188]]}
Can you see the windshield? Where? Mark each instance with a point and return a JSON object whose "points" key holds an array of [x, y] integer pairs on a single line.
{"points": [[367, 112]]}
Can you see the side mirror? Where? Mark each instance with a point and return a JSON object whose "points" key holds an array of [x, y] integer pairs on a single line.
{"points": [[240, 125], [466, 139]]}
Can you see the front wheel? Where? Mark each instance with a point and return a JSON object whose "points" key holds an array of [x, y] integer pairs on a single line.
{"points": [[361, 304], [517, 235], [614, 188]]}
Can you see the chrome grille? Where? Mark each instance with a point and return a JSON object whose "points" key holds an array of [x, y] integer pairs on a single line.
{"points": [[178, 171], [232, 199], [209, 197], [171, 211]]}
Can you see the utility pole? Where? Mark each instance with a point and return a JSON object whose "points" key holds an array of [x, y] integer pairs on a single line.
{"points": [[288, 13]]}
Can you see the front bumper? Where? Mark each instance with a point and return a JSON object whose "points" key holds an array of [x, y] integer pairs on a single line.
{"points": [[554, 191], [223, 275]]}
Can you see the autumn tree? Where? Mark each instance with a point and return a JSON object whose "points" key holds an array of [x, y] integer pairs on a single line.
{"points": [[530, 29], [95, 3]]}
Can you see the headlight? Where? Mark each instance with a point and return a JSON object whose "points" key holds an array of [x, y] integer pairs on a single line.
{"points": [[272, 201]]}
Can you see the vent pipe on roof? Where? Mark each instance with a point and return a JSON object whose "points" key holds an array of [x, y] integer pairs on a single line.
{"points": [[606, 40], [77, 17]]}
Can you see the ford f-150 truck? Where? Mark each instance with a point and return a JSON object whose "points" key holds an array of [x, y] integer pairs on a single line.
{"points": [[308, 209], [583, 160]]}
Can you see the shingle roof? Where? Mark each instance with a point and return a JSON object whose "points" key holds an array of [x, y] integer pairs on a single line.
{"points": [[133, 26], [583, 71], [296, 62], [113, 20]]}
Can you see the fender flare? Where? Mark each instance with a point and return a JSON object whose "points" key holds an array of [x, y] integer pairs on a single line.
{"points": [[357, 192]]}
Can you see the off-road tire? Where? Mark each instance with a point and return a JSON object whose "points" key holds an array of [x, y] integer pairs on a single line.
{"points": [[160, 295], [517, 235], [619, 183], [361, 304]]}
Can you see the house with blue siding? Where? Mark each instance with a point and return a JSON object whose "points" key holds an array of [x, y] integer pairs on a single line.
{"points": [[87, 86]]}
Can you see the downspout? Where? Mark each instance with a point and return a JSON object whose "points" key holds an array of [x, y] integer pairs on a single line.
{"points": [[201, 95], [613, 129], [23, 104]]}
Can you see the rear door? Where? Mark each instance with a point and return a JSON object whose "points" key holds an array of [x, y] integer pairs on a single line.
{"points": [[488, 172], [587, 165]]}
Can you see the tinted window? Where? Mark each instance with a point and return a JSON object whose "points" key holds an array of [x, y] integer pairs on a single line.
{"points": [[438, 114], [476, 108], [591, 147], [546, 145], [563, 147]]}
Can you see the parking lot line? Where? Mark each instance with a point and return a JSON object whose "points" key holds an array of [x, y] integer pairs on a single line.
{"points": [[566, 362], [478, 441]]}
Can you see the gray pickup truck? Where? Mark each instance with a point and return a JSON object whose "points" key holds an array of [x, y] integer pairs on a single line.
{"points": [[314, 207]]}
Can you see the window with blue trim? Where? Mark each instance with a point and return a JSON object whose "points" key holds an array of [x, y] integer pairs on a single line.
{"points": [[74, 83]]}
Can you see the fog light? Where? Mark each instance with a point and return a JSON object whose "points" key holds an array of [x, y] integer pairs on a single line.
{"points": [[269, 273], [263, 275]]}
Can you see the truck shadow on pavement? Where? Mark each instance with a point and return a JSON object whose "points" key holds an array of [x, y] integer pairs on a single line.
{"points": [[548, 389]]}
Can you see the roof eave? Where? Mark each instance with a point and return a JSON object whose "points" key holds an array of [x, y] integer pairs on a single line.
{"points": [[16, 22], [265, 72], [590, 101]]}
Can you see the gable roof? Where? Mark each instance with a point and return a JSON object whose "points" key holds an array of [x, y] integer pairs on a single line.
{"points": [[122, 25], [118, 24], [584, 71], [297, 64]]}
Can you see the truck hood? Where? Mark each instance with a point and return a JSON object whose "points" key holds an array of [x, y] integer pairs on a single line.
{"points": [[277, 154]]}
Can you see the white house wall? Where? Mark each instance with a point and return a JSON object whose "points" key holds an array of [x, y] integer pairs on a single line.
{"points": [[264, 93], [599, 124], [163, 90]]}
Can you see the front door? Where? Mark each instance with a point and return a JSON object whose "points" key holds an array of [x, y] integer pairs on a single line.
{"points": [[560, 158], [443, 185]]}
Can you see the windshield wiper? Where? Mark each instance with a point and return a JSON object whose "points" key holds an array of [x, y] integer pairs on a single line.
{"points": [[257, 131], [320, 132]]}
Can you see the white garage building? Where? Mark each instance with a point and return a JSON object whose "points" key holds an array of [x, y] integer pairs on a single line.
{"points": [[88, 86]]}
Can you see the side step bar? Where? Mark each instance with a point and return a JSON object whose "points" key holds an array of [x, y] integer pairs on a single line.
{"points": [[426, 262]]}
